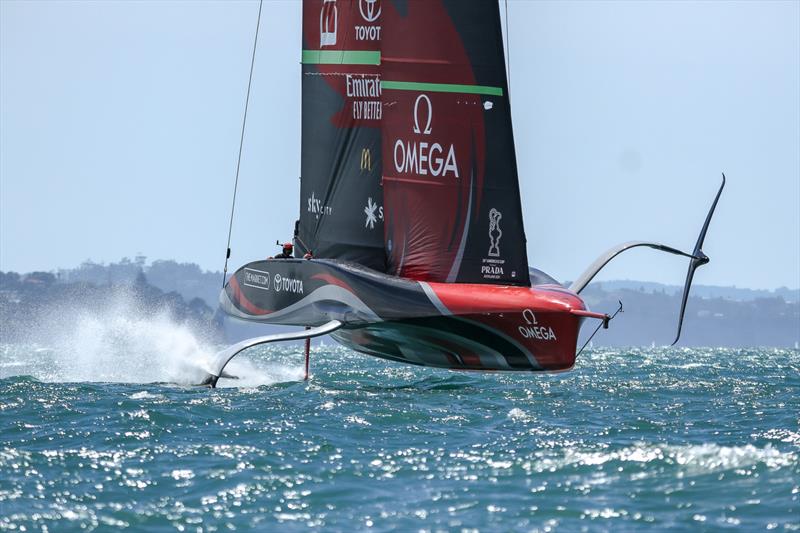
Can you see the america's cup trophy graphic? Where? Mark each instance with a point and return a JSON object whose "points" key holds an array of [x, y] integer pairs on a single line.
{"points": [[328, 23], [494, 232]]}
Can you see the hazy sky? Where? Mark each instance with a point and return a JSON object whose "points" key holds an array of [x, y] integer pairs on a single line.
{"points": [[119, 130]]}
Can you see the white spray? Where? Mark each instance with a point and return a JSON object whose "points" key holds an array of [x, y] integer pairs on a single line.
{"points": [[124, 342]]}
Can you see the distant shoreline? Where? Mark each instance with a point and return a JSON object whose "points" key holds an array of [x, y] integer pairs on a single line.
{"points": [[716, 316]]}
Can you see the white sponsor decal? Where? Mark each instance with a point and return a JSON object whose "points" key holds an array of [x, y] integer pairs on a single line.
{"points": [[370, 11], [495, 233], [532, 330], [368, 33], [315, 206], [367, 87], [423, 158], [492, 267], [283, 284], [363, 86], [328, 23], [367, 110], [258, 279], [370, 211], [429, 114]]}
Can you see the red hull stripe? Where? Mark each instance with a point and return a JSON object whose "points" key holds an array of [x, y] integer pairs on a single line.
{"points": [[464, 298], [241, 299], [333, 281], [434, 298]]}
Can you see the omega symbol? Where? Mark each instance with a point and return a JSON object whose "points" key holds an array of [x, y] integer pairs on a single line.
{"points": [[427, 129]]}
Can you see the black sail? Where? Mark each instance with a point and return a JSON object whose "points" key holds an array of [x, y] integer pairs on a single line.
{"points": [[341, 199], [451, 191]]}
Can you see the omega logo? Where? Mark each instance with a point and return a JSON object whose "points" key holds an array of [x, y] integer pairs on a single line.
{"points": [[427, 130]]}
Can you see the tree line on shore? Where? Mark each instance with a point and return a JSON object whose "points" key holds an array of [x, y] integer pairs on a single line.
{"points": [[756, 318]]}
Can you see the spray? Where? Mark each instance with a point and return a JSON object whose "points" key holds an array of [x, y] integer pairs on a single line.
{"points": [[123, 340]]}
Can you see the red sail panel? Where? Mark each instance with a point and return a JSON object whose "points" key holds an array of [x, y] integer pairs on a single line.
{"points": [[451, 192], [341, 202]]}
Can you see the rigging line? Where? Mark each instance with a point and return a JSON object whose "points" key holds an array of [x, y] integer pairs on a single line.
{"points": [[508, 54], [241, 142], [604, 323]]}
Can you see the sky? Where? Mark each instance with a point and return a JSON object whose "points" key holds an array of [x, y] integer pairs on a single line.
{"points": [[120, 124]]}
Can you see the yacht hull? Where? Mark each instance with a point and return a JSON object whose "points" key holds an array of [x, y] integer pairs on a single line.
{"points": [[457, 326]]}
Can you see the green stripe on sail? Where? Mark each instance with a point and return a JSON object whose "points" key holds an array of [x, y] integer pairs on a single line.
{"points": [[441, 87], [341, 57]]}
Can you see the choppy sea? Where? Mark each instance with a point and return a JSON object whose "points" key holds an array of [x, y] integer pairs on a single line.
{"points": [[100, 430]]}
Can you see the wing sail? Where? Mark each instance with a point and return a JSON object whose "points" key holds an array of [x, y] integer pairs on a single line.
{"points": [[452, 210], [341, 199]]}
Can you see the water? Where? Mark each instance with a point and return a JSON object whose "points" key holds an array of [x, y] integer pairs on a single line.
{"points": [[99, 429]]}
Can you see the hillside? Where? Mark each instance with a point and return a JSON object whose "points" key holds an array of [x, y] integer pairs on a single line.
{"points": [[715, 316]]}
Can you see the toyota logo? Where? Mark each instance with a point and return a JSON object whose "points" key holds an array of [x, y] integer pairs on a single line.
{"points": [[369, 14]]}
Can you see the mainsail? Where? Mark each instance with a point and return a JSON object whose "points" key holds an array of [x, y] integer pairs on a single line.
{"points": [[341, 199], [451, 192]]}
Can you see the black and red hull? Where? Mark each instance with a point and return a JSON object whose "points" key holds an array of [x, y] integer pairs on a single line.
{"points": [[457, 326]]}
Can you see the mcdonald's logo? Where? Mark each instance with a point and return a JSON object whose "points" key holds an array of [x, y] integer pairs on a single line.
{"points": [[366, 160]]}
